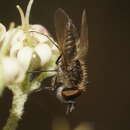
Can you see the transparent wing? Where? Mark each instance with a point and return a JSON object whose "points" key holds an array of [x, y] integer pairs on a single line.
{"points": [[83, 46], [66, 35], [60, 20]]}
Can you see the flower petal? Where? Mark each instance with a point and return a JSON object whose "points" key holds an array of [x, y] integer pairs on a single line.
{"points": [[15, 48], [39, 37], [24, 57], [44, 52], [39, 28], [18, 37], [2, 31], [11, 70]]}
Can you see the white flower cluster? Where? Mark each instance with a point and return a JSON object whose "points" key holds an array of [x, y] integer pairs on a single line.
{"points": [[25, 48]]}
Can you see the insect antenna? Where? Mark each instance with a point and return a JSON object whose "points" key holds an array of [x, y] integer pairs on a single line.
{"points": [[47, 37], [37, 71]]}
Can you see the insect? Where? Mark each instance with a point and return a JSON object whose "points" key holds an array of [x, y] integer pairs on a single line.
{"points": [[71, 78]]}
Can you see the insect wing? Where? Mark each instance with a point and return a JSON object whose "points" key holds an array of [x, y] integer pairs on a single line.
{"points": [[60, 19], [66, 35], [83, 46]]}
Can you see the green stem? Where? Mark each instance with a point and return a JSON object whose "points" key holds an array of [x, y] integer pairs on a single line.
{"points": [[16, 111]]}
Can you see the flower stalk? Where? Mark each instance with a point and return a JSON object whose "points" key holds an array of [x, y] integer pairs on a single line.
{"points": [[19, 99]]}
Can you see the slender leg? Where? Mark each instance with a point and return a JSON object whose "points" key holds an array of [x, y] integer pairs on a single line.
{"points": [[70, 107]]}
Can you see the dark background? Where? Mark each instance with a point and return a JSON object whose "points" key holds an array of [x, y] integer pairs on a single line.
{"points": [[106, 104]]}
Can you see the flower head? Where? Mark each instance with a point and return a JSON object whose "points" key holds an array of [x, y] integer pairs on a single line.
{"points": [[25, 48]]}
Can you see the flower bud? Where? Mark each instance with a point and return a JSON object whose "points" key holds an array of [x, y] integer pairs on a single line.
{"points": [[24, 56], [12, 70], [39, 28], [44, 52]]}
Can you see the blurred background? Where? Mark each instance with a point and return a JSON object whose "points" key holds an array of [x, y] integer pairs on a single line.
{"points": [[106, 105]]}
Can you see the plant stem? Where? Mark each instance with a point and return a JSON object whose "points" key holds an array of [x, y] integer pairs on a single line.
{"points": [[16, 111]]}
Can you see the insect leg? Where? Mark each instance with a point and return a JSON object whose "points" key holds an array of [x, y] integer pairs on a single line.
{"points": [[70, 107]]}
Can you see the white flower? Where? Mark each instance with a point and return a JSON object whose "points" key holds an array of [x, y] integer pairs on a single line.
{"points": [[55, 49], [17, 42], [18, 37], [39, 28], [44, 52], [28, 46], [24, 56], [39, 37], [15, 48], [12, 70], [6, 41], [2, 31]]}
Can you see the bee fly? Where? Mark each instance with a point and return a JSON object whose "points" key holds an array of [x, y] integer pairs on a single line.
{"points": [[71, 78]]}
